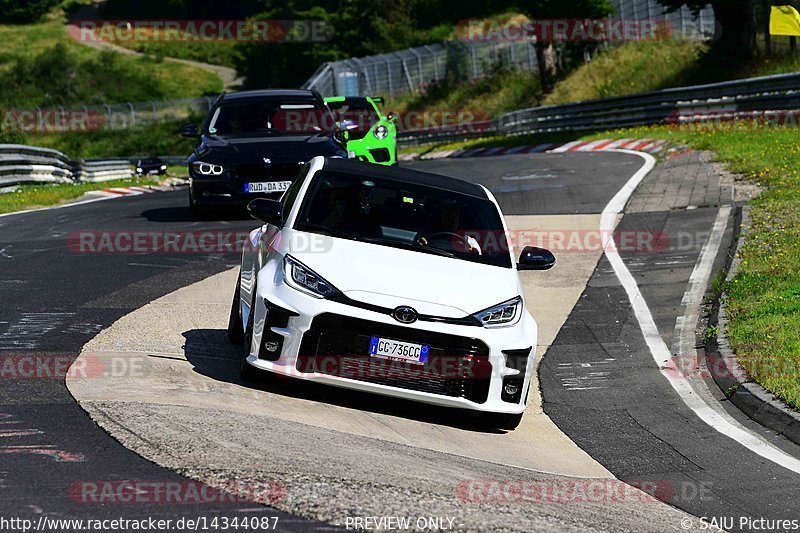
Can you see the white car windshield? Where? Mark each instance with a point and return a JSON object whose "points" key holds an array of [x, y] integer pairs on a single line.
{"points": [[405, 215]]}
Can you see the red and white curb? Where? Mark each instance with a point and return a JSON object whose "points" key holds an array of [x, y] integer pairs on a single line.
{"points": [[656, 147], [114, 192]]}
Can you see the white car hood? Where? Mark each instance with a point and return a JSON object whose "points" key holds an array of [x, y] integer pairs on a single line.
{"points": [[391, 277]]}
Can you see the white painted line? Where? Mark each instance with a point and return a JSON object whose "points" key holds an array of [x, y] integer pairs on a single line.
{"points": [[658, 348]]}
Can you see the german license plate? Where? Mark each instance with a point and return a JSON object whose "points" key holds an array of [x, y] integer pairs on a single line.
{"points": [[267, 186], [398, 350]]}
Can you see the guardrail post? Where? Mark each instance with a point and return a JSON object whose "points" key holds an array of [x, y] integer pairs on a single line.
{"points": [[133, 115]]}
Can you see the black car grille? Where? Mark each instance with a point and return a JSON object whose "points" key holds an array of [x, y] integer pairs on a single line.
{"points": [[287, 171], [339, 346], [251, 171]]}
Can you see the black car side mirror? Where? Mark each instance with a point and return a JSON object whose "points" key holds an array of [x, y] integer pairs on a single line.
{"points": [[189, 130], [265, 210], [533, 258]]}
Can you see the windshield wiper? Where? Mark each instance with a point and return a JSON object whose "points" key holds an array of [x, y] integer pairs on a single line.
{"points": [[407, 245]]}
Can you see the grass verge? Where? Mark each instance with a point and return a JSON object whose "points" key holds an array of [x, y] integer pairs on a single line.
{"points": [[43, 195], [157, 139], [41, 65]]}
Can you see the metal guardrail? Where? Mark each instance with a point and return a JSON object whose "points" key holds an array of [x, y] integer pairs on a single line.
{"points": [[30, 164], [750, 98], [102, 170]]}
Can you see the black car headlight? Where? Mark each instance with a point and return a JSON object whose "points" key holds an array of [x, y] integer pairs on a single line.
{"points": [[380, 132], [207, 169], [300, 277], [504, 314]]}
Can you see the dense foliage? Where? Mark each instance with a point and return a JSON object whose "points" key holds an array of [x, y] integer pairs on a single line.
{"points": [[16, 12]]}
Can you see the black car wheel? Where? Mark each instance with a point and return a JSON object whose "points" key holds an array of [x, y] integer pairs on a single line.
{"points": [[247, 371], [235, 329], [196, 212]]}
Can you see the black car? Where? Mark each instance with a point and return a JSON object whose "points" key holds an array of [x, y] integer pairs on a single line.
{"points": [[254, 143], [150, 165]]}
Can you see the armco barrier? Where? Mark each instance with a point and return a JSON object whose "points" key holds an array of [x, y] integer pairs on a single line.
{"points": [[750, 98], [101, 170], [30, 164]]}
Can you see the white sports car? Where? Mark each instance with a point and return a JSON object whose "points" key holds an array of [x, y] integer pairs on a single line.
{"points": [[392, 281]]}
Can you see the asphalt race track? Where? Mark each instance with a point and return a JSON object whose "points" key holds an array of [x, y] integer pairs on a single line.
{"points": [[599, 383]]}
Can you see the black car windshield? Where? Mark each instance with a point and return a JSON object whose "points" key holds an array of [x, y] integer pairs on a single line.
{"points": [[270, 116], [413, 217]]}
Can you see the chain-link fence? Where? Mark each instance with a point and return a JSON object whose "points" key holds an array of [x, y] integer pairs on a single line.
{"points": [[682, 23], [413, 69]]}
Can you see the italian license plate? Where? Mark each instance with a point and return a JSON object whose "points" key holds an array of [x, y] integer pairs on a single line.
{"points": [[398, 350], [267, 186]]}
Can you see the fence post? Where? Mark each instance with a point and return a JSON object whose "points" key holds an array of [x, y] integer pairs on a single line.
{"points": [[389, 73], [474, 54], [420, 80], [435, 63], [367, 84], [531, 56], [408, 75]]}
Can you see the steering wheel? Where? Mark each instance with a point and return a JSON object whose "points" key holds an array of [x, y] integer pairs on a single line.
{"points": [[467, 246]]}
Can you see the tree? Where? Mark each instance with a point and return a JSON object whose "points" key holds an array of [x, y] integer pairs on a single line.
{"points": [[15, 11], [737, 39], [559, 9]]}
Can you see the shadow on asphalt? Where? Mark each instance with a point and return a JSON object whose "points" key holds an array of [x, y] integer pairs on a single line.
{"points": [[211, 355]]}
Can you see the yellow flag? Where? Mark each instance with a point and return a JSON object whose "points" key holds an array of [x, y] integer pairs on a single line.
{"points": [[784, 20]]}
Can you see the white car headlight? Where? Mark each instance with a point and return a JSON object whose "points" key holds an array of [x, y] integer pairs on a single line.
{"points": [[504, 314], [207, 169], [302, 278], [381, 132]]}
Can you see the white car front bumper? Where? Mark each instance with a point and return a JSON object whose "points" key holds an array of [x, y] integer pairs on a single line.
{"points": [[348, 325]]}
